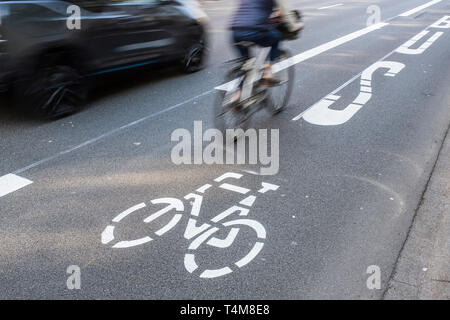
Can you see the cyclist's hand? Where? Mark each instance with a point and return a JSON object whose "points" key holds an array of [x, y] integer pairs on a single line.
{"points": [[276, 17]]}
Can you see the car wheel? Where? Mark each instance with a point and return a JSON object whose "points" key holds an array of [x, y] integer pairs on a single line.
{"points": [[195, 58], [53, 90]]}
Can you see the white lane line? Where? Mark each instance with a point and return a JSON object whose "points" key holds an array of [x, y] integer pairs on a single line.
{"points": [[329, 7], [296, 59], [419, 8], [315, 51], [11, 182]]}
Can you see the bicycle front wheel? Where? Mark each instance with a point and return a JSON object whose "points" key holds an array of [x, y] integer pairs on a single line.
{"points": [[229, 113], [278, 97]]}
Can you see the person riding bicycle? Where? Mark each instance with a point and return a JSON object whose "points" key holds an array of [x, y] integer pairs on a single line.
{"points": [[251, 23]]}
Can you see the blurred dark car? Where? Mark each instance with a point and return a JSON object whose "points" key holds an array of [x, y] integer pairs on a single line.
{"points": [[51, 50]]}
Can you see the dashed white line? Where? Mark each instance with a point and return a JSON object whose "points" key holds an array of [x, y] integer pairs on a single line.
{"points": [[332, 6], [11, 182]]}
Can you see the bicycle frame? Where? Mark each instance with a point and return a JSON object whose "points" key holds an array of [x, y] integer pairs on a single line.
{"points": [[254, 66]]}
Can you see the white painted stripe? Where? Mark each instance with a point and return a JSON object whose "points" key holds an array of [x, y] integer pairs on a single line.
{"points": [[170, 225], [189, 262], [215, 273], [326, 46], [203, 188], [128, 211], [258, 227], [202, 238], [251, 255], [11, 182], [333, 97], [419, 8], [249, 201], [362, 98], [242, 212], [328, 7], [132, 243], [232, 187], [315, 51], [108, 235], [228, 175], [224, 243]]}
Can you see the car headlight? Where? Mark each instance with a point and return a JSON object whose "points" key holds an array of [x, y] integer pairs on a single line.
{"points": [[4, 12]]}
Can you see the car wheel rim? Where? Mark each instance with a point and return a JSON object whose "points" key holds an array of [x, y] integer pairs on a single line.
{"points": [[57, 93]]}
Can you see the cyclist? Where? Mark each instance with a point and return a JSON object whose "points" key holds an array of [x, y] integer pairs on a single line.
{"points": [[251, 23]]}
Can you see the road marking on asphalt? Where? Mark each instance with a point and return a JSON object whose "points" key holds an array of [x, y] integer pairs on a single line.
{"points": [[329, 7], [278, 67], [406, 48], [110, 133], [419, 8], [11, 182], [320, 113], [234, 188], [313, 52]]}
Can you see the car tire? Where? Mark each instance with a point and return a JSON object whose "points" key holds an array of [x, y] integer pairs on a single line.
{"points": [[52, 90], [194, 60]]}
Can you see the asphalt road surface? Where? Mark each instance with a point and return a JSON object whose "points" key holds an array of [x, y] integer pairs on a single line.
{"points": [[354, 163]]}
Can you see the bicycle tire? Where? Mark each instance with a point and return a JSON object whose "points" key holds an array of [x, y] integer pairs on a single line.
{"points": [[227, 116], [278, 101]]}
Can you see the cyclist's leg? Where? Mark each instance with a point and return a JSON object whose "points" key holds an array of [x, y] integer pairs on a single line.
{"points": [[241, 36], [264, 38], [273, 36]]}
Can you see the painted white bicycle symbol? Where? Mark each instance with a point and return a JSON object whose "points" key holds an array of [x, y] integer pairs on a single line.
{"points": [[202, 234]]}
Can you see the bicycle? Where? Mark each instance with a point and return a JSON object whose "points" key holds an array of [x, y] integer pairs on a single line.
{"points": [[204, 234], [245, 75]]}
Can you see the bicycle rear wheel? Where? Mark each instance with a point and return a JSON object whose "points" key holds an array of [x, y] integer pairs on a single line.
{"points": [[278, 97]]}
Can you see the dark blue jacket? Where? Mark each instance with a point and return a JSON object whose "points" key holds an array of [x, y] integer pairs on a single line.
{"points": [[252, 14]]}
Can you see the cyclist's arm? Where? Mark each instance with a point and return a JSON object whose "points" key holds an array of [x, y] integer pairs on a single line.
{"points": [[288, 15]]}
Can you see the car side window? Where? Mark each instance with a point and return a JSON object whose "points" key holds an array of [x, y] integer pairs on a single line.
{"points": [[91, 5]]}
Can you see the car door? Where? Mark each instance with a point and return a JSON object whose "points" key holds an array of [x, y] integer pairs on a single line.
{"points": [[149, 32], [126, 32]]}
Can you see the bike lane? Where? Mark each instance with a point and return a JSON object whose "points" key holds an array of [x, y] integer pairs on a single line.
{"points": [[308, 219]]}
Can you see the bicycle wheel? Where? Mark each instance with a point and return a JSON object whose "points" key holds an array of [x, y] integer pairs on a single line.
{"points": [[278, 97], [229, 114], [207, 238], [172, 204]]}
